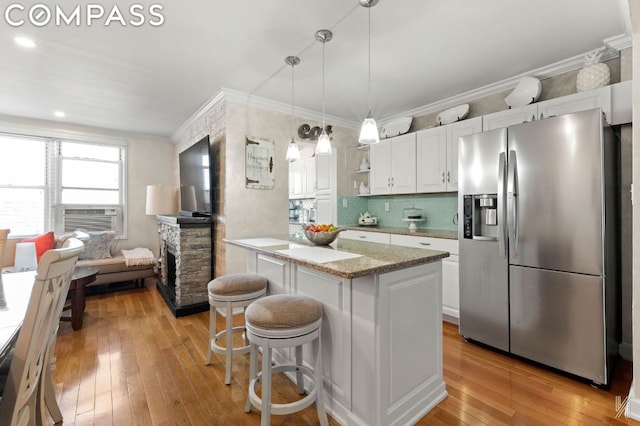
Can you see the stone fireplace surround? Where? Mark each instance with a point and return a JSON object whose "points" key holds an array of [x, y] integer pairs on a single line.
{"points": [[186, 263]]}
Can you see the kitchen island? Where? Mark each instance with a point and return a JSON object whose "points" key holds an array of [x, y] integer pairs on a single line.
{"points": [[382, 324]]}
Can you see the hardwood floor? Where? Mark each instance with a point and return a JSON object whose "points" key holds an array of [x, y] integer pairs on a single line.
{"points": [[133, 363]]}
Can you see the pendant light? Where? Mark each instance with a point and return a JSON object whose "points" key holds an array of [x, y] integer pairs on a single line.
{"points": [[293, 152], [369, 131], [323, 146]]}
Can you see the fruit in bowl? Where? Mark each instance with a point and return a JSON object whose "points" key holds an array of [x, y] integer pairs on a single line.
{"points": [[321, 234]]}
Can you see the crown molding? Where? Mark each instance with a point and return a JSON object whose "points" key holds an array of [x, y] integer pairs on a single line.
{"points": [[225, 94], [613, 44]]}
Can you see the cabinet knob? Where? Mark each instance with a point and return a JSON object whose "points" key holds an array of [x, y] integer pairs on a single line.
{"points": [[425, 244], [442, 177], [449, 177]]}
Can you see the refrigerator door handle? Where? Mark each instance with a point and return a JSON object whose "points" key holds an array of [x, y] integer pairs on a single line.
{"points": [[502, 201], [512, 201]]}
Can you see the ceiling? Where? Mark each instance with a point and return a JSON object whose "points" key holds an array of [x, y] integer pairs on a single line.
{"points": [[151, 79]]}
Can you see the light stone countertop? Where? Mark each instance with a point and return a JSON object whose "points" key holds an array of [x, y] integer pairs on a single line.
{"points": [[375, 258], [420, 232]]}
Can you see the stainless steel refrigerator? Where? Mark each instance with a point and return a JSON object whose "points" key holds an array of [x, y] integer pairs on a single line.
{"points": [[538, 242]]}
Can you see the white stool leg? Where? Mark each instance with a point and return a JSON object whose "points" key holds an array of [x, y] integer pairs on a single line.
{"points": [[299, 376], [212, 332], [317, 373], [265, 415], [253, 363], [227, 374]]}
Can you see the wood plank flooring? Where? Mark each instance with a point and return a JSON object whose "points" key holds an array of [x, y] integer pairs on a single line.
{"points": [[133, 363]]}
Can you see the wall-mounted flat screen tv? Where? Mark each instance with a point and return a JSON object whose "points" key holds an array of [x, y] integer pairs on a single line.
{"points": [[196, 179]]}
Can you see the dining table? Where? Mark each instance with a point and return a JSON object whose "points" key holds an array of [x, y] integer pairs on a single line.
{"points": [[15, 291]]}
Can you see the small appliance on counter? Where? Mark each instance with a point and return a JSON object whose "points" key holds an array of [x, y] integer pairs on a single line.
{"points": [[366, 219], [413, 215]]}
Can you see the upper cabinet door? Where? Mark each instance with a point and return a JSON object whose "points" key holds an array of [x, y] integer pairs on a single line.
{"points": [[578, 102], [296, 177], [310, 177], [454, 131], [510, 117], [380, 163], [403, 164], [431, 148], [325, 172]]}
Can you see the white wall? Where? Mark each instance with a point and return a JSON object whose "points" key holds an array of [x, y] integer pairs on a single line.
{"points": [[149, 161]]}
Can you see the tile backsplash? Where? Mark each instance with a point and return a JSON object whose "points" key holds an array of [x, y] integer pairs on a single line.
{"points": [[440, 210]]}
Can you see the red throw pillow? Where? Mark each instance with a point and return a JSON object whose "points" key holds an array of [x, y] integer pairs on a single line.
{"points": [[43, 242]]}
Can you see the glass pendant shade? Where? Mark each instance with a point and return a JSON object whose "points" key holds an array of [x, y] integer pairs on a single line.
{"points": [[324, 144], [369, 132], [293, 152]]}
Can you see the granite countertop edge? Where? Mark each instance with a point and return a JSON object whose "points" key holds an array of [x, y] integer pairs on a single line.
{"points": [[350, 268], [433, 233]]}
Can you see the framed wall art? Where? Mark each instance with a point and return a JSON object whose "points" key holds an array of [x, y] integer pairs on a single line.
{"points": [[259, 163]]}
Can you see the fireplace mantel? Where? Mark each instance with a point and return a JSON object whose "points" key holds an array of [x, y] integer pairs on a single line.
{"points": [[186, 256]]}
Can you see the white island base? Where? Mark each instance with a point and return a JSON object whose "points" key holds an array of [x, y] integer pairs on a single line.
{"points": [[381, 338]]}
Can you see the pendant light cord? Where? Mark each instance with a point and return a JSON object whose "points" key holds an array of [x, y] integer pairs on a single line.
{"points": [[323, 85], [292, 97], [369, 10]]}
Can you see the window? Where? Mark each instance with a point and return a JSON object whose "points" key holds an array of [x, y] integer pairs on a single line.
{"points": [[53, 184]]}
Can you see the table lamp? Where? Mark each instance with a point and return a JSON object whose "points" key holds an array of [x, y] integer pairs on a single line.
{"points": [[25, 257], [161, 200]]}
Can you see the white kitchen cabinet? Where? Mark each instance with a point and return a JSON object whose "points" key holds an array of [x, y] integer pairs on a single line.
{"points": [[510, 117], [450, 274], [437, 155], [431, 152], [601, 97], [296, 177], [325, 209], [372, 237], [577, 102], [454, 131], [325, 174], [309, 185], [302, 178], [393, 165]]}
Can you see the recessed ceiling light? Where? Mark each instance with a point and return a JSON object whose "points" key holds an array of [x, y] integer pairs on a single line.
{"points": [[59, 114], [24, 42]]}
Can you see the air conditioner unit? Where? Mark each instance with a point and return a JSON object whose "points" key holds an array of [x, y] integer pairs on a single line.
{"points": [[92, 219]]}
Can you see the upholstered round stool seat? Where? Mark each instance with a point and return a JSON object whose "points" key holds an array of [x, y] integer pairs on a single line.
{"points": [[291, 314], [230, 292], [236, 286], [281, 321]]}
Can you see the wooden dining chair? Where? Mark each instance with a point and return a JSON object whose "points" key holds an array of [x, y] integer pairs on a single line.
{"points": [[20, 398]]}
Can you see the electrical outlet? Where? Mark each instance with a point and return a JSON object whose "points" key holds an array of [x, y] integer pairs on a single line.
{"points": [[386, 207], [344, 203]]}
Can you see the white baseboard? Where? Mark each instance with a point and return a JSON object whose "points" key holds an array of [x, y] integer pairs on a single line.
{"points": [[633, 404]]}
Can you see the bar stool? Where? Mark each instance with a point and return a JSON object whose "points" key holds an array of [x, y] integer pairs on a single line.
{"points": [[282, 321], [229, 292]]}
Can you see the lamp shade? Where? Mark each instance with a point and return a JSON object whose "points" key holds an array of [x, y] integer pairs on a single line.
{"points": [[324, 144], [293, 152], [369, 132], [25, 257], [161, 200]]}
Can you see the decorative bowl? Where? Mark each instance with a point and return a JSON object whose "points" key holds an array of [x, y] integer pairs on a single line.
{"points": [[396, 127], [527, 91], [321, 238], [452, 115]]}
